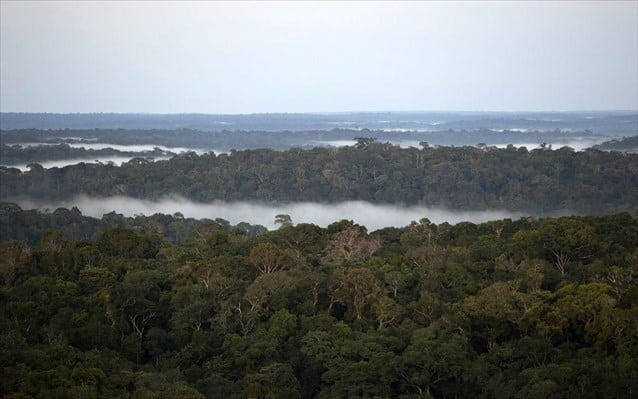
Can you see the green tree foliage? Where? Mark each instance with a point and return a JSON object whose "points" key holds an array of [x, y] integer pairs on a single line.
{"points": [[537, 181], [424, 311]]}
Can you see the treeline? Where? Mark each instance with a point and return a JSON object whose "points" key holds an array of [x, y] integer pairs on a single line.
{"points": [[226, 140], [16, 154], [505, 309], [30, 226], [627, 144], [534, 181]]}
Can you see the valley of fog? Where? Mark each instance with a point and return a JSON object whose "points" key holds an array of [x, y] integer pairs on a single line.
{"points": [[60, 163], [122, 147], [372, 216], [578, 144]]}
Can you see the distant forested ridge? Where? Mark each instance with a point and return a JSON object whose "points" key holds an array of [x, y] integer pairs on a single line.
{"points": [[15, 154], [626, 144], [30, 226], [226, 140], [528, 308], [451, 177]]}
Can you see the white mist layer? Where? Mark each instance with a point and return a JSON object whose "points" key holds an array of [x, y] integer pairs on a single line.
{"points": [[60, 163], [372, 216], [134, 147], [337, 143], [576, 144], [122, 147]]}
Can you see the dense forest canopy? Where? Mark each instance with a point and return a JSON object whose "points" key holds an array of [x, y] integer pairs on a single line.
{"points": [[226, 140], [537, 181], [273, 250], [16, 154], [163, 307], [167, 306]]}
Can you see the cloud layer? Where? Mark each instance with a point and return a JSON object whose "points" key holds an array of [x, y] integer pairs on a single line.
{"points": [[372, 216]]}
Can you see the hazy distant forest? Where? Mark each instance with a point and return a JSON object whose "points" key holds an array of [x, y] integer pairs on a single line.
{"points": [[168, 306], [539, 181]]}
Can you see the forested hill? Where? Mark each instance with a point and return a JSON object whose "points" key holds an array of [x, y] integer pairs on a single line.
{"points": [[626, 144], [505, 309], [452, 177]]}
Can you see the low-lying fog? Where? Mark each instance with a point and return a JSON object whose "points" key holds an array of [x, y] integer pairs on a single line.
{"points": [[372, 216], [116, 160], [122, 147], [578, 144], [60, 163]]}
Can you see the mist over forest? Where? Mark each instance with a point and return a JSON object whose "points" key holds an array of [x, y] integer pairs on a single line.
{"points": [[537, 182], [372, 216], [58, 140], [179, 218], [319, 255]]}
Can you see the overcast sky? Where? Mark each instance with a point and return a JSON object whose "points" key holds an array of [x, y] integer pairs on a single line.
{"points": [[216, 57]]}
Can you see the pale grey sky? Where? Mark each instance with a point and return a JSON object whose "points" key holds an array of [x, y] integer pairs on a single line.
{"points": [[223, 57]]}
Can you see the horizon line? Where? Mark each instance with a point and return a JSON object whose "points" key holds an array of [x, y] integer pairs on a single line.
{"points": [[323, 112]]}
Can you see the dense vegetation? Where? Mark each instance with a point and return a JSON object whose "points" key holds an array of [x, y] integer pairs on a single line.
{"points": [[459, 178], [226, 140], [170, 307], [505, 309], [16, 154], [627, 144], [30, 226]]}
